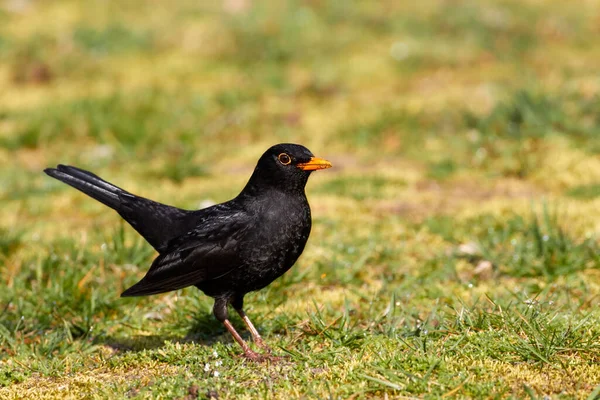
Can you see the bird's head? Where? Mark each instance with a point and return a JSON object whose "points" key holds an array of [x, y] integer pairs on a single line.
{"points": [[286, 166]]}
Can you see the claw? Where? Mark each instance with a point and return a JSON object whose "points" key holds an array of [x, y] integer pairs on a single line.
{"points": [[274, 359], [262, 358], [260, 343], [253, 356]]}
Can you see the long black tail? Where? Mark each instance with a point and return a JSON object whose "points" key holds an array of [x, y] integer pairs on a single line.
{"points": [[157, 223], [89, 183]]}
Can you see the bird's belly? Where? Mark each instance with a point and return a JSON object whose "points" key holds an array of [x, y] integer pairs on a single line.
{"points": [[277, 239], [262, 264], [268, 262]]}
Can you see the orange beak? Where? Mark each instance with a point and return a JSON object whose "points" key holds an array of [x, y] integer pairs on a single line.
{"points": [[314, 164]]}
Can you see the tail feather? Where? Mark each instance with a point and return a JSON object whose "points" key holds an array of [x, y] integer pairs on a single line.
{"points": [[141, 289], [89, 177], [89, 184], [157, 223]]}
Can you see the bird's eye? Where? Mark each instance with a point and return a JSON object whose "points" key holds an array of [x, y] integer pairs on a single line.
{"points": [[284, 159]]}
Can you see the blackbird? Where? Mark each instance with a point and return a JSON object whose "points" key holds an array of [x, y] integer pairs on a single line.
{"points": [[225, 250]]}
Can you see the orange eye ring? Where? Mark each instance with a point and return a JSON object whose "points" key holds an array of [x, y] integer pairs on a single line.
{"points": [[284, 159]]}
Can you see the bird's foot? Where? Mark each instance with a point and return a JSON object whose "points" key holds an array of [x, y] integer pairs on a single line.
{"points": [[252, 355], [268, 352], [265, 347], [258, 357], [273, 359]]}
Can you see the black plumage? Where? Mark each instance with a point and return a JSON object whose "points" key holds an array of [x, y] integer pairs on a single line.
{"points": [[228, 249]]}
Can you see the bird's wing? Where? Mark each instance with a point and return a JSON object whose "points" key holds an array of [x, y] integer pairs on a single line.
{"points": [[207, 252]]}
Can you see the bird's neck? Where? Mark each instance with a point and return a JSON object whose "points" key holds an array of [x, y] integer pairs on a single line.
{"points": [[259, 183]]}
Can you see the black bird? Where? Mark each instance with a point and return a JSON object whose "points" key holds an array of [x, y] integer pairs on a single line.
{"points": [[225, 250]]}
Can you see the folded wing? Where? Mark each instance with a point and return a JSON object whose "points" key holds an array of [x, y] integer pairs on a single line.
{"points": [[207, 252]]}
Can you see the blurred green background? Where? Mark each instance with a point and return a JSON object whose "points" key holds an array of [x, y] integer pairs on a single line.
{"points": [[465, 137]]}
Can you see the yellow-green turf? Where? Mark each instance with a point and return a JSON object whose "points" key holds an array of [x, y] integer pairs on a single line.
{"points": [[455, 250]]}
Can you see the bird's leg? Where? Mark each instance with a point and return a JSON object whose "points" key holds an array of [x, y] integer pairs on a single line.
{"points": [[255, 335], [247, 351], [220, 312], [238, 304]]}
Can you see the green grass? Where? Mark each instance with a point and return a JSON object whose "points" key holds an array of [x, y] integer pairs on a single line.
{"points": [[455, 249], [585, 192]]}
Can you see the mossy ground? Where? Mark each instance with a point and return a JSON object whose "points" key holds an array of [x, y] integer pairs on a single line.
{"points": [[455, 248]]}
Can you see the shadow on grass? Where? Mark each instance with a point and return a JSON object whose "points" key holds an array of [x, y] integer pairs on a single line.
{"points": [[205, 331]]}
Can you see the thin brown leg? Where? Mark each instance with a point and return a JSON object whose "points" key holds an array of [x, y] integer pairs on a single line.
{"points": [[255, 335], [247, 351]]}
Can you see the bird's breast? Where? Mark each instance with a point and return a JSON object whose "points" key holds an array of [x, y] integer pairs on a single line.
{"points": [[279, 236]]}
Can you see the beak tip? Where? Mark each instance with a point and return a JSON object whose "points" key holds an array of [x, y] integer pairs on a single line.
{"points": [[314, 164]]}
